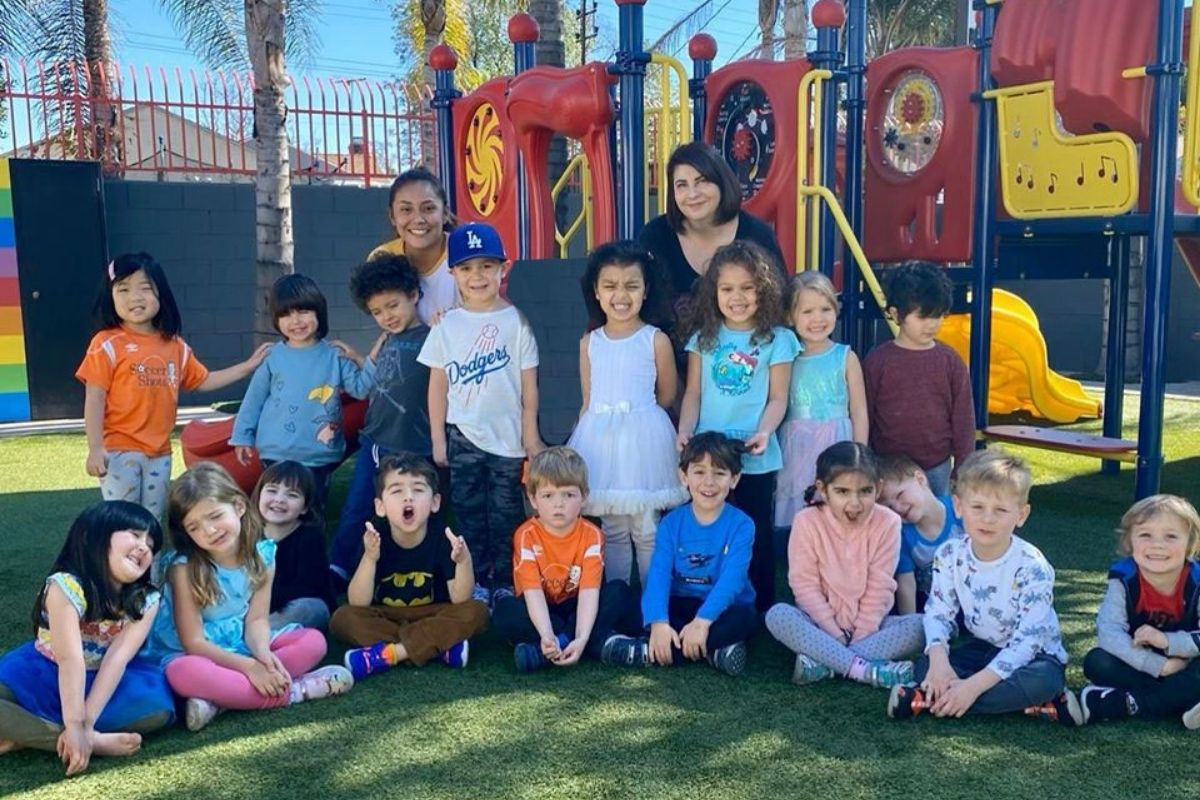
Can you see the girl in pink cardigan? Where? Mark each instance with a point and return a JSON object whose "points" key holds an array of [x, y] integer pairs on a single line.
{"points": [[842, 558]]}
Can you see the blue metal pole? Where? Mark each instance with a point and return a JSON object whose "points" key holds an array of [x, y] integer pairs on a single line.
{"points": [[828, 56], [1114, 366], [984, 239], [523, 58], [856, 106], [703, 49], [1160, 243], [631, 60], [444, 95]]}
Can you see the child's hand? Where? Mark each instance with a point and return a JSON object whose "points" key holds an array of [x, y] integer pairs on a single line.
{"points": [[439, 454], [938, 679], [757, 444], [662, 637], [272, 662], [257, 357], [533, 445], [244, 454], [74, 747], [458, 547], [347, 351], [571, 653], [371, 542], [550, 648], [1149, 636], [97, 463], [956, 700], [377, 346], [681, 440], [266, 682], [694, 639], [1173, 665]]}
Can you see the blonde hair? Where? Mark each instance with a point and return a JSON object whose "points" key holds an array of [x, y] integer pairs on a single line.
{"points": [[811, 281], [994, 469], [557, 466], [208, 481], [1149, 507]]}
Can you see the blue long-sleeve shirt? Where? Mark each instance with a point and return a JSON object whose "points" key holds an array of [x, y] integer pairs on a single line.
{"points": [[706, 561], [293, 408]]}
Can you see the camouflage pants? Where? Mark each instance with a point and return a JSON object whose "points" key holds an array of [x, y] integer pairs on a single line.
{"points": [[488, 506]]}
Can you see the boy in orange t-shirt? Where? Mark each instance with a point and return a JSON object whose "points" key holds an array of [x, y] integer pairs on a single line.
{"points": [[563, 609]]}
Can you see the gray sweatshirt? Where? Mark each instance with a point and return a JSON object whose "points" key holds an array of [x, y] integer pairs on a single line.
{"points": [[1114, 635]]}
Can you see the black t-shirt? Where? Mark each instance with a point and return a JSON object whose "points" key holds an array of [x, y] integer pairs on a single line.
{"points": [[398, 410], [301, 568], [416, 576]]}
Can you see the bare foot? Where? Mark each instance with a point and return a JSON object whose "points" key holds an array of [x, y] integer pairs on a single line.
{"points": [[116, 744], [7, 746]]}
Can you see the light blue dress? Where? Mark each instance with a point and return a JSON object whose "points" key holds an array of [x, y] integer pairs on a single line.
{"points": [[224, 621], [818, 416]]}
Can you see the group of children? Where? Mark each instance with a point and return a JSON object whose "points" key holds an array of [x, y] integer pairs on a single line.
{"points": [[885, 565]]}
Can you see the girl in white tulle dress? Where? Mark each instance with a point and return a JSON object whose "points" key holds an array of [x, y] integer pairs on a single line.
{"points": [[627, 371]]}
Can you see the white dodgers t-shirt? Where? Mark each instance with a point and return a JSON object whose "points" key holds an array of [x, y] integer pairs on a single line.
{"points": [[483, 354]]}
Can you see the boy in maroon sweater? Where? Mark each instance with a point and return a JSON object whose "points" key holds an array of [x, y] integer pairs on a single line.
{"points": [[918, 389]]}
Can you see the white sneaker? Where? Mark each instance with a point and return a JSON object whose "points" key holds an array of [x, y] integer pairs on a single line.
{"points": [[199, 713], [1191, 718], [321, 683]]}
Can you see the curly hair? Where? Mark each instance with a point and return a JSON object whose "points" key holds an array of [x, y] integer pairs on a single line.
{"points": [[383, 273], [706, 314]]}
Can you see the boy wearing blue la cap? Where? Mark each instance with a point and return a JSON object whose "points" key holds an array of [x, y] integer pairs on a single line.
{"points": [[483, 404]]}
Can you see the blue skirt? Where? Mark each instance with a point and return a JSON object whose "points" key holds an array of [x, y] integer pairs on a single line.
{"points": [[32, 679]]}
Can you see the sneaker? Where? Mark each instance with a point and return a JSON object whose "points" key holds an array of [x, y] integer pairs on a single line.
{"points": [[1100, 703], [483, 594], [730, 659], [906, 701], [364, 661], [625, 651], [1191, 718], [886, 674], [199, 713], [501, 593], [529, 656], [1063, 709], [808, 671], [456, 656], [322, 683]]}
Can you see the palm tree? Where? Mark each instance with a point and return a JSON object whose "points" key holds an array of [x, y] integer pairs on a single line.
{"points": [[768, 11], [550, 50], [892, 24], [795, 28]]}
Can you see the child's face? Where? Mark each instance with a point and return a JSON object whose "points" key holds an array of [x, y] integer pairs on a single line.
{"points": [[406, 501], [558, 507], [299, 326], [908, 497], [813, 317], [478, 281], [281, 504], [849, 497], [737, 296], [1159, 544], [393, 311], [989, 516], [418, 216], [708, 483], [129, 555], [621, 290], [919, 332], [136, 300], [215, 527]]}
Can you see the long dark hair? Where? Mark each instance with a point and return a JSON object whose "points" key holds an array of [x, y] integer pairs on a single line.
{"points": [[626, 253], [85, 555], [706, 316], [167, 321]]}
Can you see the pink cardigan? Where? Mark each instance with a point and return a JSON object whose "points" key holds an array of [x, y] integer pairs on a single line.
{"points": [[844, 578]]}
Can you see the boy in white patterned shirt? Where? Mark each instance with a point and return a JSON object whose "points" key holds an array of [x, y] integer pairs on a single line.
{"points": [[1013, 659]]}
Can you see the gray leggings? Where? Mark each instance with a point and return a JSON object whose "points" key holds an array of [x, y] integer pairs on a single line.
{"points": [[897, 637], [138, 478]]}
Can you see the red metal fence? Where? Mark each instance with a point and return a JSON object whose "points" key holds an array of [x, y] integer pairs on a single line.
{"points": [[159, 124]]}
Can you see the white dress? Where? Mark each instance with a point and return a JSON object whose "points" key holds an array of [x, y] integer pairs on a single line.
{"points": [[624, 436]]}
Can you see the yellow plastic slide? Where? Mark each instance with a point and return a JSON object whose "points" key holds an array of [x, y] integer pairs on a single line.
{"points": [[1021, 378]]}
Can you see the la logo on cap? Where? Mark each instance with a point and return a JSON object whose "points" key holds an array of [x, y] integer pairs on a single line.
{"points": [[473, 241]]}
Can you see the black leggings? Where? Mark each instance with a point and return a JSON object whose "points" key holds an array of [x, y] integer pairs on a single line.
{"points": [[755, 495]]}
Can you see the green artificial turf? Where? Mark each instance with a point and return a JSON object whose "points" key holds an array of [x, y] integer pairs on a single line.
{"points": [[593, 731]]}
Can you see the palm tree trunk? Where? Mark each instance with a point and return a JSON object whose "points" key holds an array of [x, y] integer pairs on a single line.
{"points": [[551, 51], [768, 10], [105, 142], [795, 28], [273, 178], [433, 21]]}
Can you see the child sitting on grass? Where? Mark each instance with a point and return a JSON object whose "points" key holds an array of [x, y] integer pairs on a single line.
{"points": [[563, 609], [410, 598]]}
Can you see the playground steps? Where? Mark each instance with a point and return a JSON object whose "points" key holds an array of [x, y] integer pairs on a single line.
{"points": [[1080, 444]]}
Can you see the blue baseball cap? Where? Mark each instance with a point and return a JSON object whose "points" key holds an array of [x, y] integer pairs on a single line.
{"points": [[474, 240]]}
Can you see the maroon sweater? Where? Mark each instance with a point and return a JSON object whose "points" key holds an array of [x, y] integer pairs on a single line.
{"points": [[919, 403]]}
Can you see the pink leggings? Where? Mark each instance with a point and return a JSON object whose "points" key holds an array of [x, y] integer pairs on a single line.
{"points": [[198, 676]]}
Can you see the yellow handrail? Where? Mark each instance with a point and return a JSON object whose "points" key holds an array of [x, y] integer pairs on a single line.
{"points": [[812, 82], [1191, 124], [671, 129], [584, 217]]}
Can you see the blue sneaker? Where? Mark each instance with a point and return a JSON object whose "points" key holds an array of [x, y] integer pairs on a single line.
{"points": [[625, 651], [483, 594], [809, 671], [364, 661], [730, 659], [529, 656], [886, 674], [456, 656]]}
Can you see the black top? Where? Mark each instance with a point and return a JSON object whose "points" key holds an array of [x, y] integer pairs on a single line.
{"points": [[398, 409], [301, 568], [413, 576]]}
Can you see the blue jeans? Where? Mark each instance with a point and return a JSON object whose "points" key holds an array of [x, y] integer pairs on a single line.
{"points": [[1039, 681]]}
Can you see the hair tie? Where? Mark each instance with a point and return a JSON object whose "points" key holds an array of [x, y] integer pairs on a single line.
{"points": [[112, 270]]}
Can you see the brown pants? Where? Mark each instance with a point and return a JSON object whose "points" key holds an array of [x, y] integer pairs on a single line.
{"points": [[424, 631]]}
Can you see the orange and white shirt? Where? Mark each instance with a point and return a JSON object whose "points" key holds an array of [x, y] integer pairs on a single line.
{"points": [[558, 565], [142, 375]]}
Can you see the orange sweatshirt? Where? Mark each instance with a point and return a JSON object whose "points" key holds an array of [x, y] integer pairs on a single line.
{"points": [[842, 577]]}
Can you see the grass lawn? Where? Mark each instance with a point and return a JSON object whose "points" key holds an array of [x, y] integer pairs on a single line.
{"points": [[601, 732]]}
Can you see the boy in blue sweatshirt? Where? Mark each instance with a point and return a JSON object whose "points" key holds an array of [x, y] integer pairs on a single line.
{"points": [[698, 601]]}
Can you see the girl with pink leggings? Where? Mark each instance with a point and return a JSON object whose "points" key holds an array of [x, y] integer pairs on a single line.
{"points": [[213, 632]]}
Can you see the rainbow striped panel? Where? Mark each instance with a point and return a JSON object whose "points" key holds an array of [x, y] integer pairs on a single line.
{"points": [[14, 381]]}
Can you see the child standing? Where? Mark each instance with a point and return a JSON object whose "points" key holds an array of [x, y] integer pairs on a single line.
{"points": [[563, 610], [300, 593], [842, 555], [79, 688], [410, 598], [1149, 623], [387, 288], [827, 402], [133, 370], [213, 632], [293, 407], [918, 389], [627, 374], [928, 522], [1013, 658], [739, 369], [483, 404], [698, 601]]}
